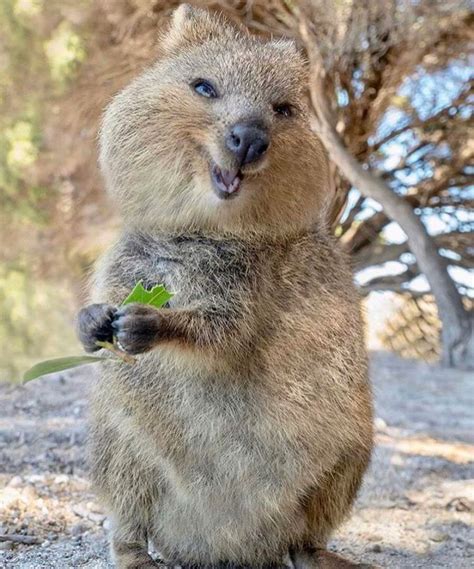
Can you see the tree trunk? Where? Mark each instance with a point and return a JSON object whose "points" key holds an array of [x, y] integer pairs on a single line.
{"points": [[457, 333], [457, 323]]}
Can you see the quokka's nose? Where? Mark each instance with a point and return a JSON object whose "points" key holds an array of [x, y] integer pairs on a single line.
{"points": [[248, 141]]}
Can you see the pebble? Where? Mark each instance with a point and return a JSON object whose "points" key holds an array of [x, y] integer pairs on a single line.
{"points": [[15, 482], [35, 478], [379, 424], [106, 524], [93, 507], [96, 518], [377, 548], [6, 546], [78, 529], [439, 536], [80, 511], [61, 479], [84, 512]]}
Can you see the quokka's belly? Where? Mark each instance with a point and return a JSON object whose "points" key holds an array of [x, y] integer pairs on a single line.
{"points": [[236, 490], [229, 477], [210, 513]]}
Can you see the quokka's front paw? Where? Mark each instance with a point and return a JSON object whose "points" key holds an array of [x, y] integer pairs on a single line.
{"points": [[94, 324], [137, 327]]}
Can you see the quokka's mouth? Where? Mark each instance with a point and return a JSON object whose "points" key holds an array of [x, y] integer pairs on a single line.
{"points": [[226, 183]]}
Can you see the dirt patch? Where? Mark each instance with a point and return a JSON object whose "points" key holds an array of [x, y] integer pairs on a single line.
{"points": [[416, 509]]}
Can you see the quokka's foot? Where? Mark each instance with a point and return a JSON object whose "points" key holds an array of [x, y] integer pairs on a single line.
{"points": [[323, 559], [133, 556], [230, 565]]}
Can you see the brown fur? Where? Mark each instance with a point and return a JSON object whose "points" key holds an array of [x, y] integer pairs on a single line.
{"points": [[244, 429]]}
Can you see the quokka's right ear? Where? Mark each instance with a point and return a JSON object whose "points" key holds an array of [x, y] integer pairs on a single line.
{"points": [[191, 26]]}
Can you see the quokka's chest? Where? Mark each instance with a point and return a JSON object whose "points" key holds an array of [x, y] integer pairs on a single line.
{"points": [[192, 268]]}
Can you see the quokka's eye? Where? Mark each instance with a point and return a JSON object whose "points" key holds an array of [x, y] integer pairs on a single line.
{"points": [[284, 109], [204, 88]]}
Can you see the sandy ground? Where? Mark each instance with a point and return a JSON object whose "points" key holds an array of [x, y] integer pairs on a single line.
{"points": [[416, 509]]}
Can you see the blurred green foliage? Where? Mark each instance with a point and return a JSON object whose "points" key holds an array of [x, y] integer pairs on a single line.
{"points": [[36, 63], [65, 51], [40, 53], [36, 320]]}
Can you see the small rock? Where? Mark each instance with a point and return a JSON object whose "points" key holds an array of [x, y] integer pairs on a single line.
{"points": [[6, 545], [93, 507], [397, 460], [80, 511], [380, 424], [78, 529], [15, 482], [96, 518], [375, 537], [35, 478], [377, 548], [61, 479], [439, 536]]}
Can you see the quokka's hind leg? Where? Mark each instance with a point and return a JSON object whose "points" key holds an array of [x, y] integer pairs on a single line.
{"points": [[329, 504], [126, 494], [124, 483], [326, 507], [130, 551]]}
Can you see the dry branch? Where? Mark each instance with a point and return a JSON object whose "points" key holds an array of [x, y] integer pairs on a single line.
{"points": [[458, 341]]}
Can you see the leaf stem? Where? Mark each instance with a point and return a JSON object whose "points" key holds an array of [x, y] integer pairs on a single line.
{"points": [[127, 358]]}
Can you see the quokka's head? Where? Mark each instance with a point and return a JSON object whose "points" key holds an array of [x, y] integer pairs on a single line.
{"points": [[216, 135]]}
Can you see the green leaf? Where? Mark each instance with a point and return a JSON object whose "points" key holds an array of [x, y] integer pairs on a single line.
{"points": [[58, 364], [156, 296]]}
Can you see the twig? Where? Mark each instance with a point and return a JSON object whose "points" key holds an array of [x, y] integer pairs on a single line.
{"points": [[18, 538]]}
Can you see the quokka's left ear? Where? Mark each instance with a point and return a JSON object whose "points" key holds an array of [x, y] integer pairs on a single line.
{"points": [[192, 26], [291, 47], [286, 44]]}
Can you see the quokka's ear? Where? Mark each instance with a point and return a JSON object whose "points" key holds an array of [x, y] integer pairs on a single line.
{"points": [[191, 26], [289, 46], [286, 44], [184, 14]]}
